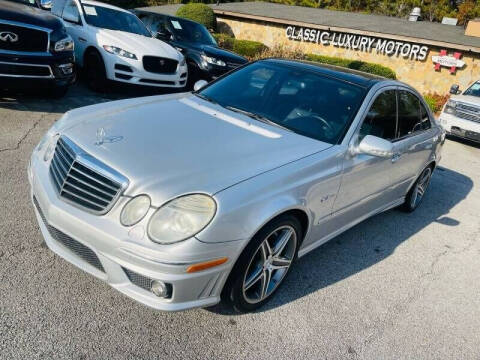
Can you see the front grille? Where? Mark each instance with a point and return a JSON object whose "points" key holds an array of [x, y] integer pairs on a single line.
{"points": [[23, 38], [467, 116], [25, 70], [84, 181], [462, 106], [73, 245], [159, 65], [157, 82]]}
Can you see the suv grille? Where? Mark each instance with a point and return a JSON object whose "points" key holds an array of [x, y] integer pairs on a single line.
{"points": [[159, 65], [21, 70], [468, 112], [23, 38], [84, 181], [73, 245]]}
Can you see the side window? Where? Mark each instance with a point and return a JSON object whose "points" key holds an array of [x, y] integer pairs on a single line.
{"points": [[57, 7], [70, 11], [409, 120], [382, 117], [424, 118]]}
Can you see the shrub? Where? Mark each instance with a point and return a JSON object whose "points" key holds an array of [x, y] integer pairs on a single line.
{"points": [[371, 68], [435, 101], [200, 13], [247, 48]]}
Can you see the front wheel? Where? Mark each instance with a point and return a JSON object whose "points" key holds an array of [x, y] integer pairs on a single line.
{"points": [[95, 72], [417, 192], [264, 264]]}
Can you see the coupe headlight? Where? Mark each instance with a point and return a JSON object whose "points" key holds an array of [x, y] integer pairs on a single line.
{"points": [[181, 218], [66, 44], [120, 52], [450, 107], [52, 143], [213, 61], [135, 210]]}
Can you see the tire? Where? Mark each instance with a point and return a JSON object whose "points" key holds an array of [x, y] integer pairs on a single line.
{"points": [[417, 192], [265, 266], [95, 73], [193, 76]]}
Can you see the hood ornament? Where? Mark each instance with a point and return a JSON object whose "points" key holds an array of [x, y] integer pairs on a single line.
{"points": [[102, 137], [8, 36]]}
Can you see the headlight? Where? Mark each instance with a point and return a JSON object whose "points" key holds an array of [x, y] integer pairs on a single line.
{"points": [[120, 52], [213, 61], [52, 143], [450, 107], [135, 210], [66, 44], [181, 218]]}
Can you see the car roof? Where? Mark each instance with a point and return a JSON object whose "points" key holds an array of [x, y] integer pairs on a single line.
{"points": [[355, 77], [142, 11], [102, 4]]}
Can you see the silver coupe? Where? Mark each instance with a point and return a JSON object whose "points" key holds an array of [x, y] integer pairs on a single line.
{"points": [[182, 200]]}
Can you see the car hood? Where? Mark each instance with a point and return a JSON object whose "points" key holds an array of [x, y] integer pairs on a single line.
{"points": [[171, 145], [137, 44], [29, 15], [222, 54], [467, 99]]}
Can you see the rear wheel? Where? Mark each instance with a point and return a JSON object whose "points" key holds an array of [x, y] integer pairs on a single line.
{"points": [[264, 264], [417, 192], [95, 72]]}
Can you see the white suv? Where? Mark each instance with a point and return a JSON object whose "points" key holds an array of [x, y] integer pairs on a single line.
{"points": [[461, 114], [112, 43]]}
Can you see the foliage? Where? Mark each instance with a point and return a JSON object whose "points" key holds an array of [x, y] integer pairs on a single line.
{"points": [[247, 48], [371, 68], [435, 101], [200, 13], [467, 11]]}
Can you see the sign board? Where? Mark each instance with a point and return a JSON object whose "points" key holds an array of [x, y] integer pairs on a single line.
{"points": [[451, 61], [358, 42]]}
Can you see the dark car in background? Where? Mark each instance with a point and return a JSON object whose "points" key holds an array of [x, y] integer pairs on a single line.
{"points": [[206, 61], [35, 49]]}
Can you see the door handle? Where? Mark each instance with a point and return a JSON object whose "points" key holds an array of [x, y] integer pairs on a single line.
{"points": [[396, 156]]}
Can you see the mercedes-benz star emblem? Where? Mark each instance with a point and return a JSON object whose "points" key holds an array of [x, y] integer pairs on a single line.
{"points": [[8, 36], [162, 62]]}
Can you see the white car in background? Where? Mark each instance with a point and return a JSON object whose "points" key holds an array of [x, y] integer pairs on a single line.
{"points": [[461, 114], [112, 43]]}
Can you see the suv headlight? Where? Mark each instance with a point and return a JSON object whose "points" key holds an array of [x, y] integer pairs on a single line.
{"points": [[213, 61], [135, 210], [120, 52], [450, 107], [181, 218], [65, 44]]}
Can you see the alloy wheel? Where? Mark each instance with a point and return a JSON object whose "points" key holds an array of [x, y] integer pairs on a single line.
{"points": [[269, 264], [420, 187]]}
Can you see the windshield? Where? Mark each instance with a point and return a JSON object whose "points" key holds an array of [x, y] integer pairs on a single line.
{"points": [[190, 32], [26, 2], [299, 100], [112, 19], [473, 90]]}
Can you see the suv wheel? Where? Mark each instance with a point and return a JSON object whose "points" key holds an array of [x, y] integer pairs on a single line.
{"points": [[264, 264], [95, 72]]}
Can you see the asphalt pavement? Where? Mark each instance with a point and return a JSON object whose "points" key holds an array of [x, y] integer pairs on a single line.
{"points": [[397, 286]]}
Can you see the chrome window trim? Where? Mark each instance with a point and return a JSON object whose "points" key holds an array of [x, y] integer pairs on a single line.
{"points": [[29, 26], [95, 165], [51, 76]]}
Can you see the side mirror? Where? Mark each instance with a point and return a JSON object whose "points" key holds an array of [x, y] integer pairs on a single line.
{"points": [[72, 18], [46, 4], [454, 89], [199, 85], [375, 146]]}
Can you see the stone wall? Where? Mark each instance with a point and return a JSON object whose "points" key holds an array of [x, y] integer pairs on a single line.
{"points": [[419, 74]]}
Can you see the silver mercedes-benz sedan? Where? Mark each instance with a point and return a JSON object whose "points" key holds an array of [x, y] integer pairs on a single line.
{"points": [[182, 200]]}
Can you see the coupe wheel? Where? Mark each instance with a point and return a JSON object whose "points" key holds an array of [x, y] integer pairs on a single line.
{"points": [[417, 192], [95, 72], [263, 265]]}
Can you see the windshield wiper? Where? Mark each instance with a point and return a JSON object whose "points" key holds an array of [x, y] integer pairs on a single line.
{"points": [[256, 117], [206, 98]]}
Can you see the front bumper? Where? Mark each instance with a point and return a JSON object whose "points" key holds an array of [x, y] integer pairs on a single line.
{"points": [[75, 235], [459, 127], [132, 72], [42, 70]]}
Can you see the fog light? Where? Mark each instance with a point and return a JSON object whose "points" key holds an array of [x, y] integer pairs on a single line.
{"points": [[159, 288], [67, 69]]}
